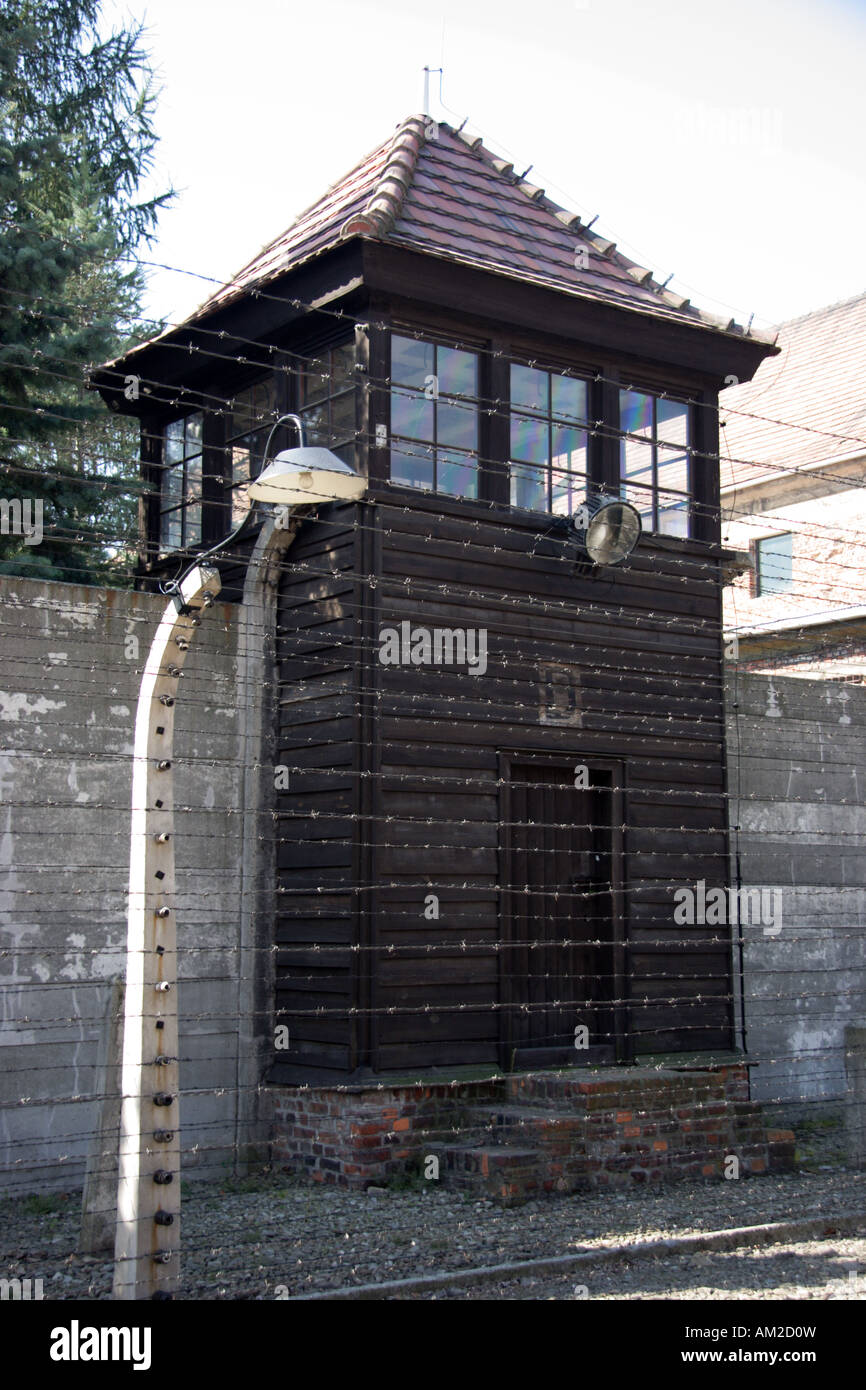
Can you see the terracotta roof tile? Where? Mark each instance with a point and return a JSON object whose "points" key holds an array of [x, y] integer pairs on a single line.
{"points": [[439, 191]]}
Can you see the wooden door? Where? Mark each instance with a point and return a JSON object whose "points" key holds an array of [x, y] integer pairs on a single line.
{"points": [[561, 876]]}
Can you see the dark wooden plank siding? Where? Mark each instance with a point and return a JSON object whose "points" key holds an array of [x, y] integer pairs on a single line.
{"points": [[316, 814], [397, 792], [642, 644]]}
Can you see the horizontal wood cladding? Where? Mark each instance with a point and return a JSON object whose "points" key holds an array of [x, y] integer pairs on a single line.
{"points": [[392, 881], [316, 798], [638, 649]]}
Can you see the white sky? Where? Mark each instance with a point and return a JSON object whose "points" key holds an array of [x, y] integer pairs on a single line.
{"points": [[720, 142]]}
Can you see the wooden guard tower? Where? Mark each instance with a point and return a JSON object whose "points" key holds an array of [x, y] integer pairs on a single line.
{"points": [[473, 860]]}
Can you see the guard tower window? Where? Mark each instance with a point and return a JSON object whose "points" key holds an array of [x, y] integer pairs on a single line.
{"points": [[434, 417], [326, 401], [252, 412], [180, 509], [549, 440], [655, 460]]}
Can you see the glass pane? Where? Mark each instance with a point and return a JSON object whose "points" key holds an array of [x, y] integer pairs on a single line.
{"points": [[411, 361], [240, 463], [240, 503], [256, 445], [412, 415], [346, 452], [642, 498], [636, 413], [636, 460], [569, 448], [528, 487], [673, 422], [193, 433], [170, 530], [192, 525], [673, 474], [456, 426], [193, 480], [529, 439], [775, 564], [315, 380], [569, 490], [342, 367], [255, 409], [457, 475], [673, 514], [343, 416], [243, 413], [267, 404], [457, 372], [172, 486], [173, 442], [317, 424], [412, 470], [568, 399], [530, 389]]}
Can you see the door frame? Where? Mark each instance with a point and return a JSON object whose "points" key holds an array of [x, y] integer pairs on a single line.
{"points": [[621, 1012]]}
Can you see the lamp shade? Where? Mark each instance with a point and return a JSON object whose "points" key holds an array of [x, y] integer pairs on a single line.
{"points": [[307, 475], [607, 530]]}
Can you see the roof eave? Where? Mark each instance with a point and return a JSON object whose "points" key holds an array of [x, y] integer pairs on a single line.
{"points": [[236, 328], [728, 351]]}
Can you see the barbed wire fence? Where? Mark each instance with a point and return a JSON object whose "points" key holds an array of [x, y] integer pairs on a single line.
{"points": [[790, 979]]}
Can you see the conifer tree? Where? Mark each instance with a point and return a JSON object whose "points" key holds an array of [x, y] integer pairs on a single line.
{"points": [[76, 143]]}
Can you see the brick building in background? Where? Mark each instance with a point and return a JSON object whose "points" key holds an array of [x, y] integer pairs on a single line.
{"points": [[793, 504]]}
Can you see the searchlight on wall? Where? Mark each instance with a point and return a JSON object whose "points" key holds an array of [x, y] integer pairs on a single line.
{"points": [[606, 530]]}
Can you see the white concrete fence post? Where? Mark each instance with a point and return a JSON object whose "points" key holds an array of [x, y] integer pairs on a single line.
{"points": [[147, 1244]]}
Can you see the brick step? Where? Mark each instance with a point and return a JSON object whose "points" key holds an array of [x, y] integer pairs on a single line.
{"points": [[508, 1174], [506, 1125], [485, 1158], [624, 1089], [533, 1133]]}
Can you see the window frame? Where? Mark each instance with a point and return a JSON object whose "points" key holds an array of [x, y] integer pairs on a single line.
{"points": [[218, 486], [436, 340], [349, 444], [760, 590], [568, 373], [656, 394], [231, 487], [182, 508]]}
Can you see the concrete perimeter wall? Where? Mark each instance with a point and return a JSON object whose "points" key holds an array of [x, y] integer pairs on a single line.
{"points": [[72, 658], [797, 783]]}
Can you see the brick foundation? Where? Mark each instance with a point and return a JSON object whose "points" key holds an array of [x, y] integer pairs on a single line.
{"points": [[516, 1136]]}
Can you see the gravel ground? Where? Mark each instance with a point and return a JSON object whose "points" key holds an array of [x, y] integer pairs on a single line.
{"points": [[270, 1236], [814, 1269], [244, 1244]]}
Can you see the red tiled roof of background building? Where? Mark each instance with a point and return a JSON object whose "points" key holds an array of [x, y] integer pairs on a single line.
{"points": [[818, 381]]}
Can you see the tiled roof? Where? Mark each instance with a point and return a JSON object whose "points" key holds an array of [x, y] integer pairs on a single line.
{"points": [[434, 189], [818, 380]]}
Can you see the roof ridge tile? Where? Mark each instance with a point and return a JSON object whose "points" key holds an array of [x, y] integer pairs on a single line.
{"points": [[383, 208]]}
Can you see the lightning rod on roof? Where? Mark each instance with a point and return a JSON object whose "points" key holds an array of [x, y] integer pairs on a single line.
{"points": [[427, 72]]}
